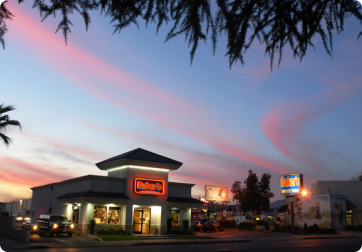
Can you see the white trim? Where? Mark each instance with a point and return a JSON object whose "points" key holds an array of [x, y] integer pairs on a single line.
{"points": [[138, 167]]}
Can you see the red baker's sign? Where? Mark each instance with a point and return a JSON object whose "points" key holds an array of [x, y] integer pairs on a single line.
{"points": [[149, 186]]}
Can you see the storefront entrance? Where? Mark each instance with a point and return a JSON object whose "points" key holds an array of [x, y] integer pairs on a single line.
{"points": [[141, 220]]}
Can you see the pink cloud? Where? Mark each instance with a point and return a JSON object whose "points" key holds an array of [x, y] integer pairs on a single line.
{"points": [[115, 86], [283, 125]]}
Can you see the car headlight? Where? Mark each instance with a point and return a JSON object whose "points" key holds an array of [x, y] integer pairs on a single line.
{"points": [[55, 226], [19, 218], [27, 218], [35, 227], [71, 225]]}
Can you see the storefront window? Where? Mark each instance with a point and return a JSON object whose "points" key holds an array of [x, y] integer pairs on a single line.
{"points": [[114, 215], [100, 214], [175, 215]]}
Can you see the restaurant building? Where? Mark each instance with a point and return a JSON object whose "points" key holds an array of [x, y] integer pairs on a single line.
{"points": [[135, 195]]}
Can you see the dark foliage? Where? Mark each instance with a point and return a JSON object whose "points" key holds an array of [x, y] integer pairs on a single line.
{"points": [[5, 122], [169, 225], [92, 225], [255, 194], [274, 23], [247, 225], [228, 224], [110, 231], [312, 229], [353, 228]]}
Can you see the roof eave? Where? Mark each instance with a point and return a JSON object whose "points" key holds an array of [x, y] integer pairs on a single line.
{"points": [[126, 161]]}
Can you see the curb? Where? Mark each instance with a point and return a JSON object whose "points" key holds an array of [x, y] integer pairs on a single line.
{"points": [[328, 237], [187, 242], [94, 237]]}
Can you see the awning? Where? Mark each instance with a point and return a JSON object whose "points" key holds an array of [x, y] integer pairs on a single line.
{"points": [[350, 205], [94, 197], [185, 202]]}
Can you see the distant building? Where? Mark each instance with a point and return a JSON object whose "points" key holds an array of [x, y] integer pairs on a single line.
{"points": [[22, 207], [351, 190], [2, 207]]}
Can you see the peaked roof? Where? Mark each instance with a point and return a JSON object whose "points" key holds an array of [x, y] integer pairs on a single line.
{"points": [[94, 194], [138, 157]]}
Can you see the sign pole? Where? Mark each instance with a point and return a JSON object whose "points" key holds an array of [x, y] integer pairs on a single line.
{"points": [[292, 217]]}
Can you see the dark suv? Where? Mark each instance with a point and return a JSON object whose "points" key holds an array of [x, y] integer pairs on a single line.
{"points": [[54, 224]]}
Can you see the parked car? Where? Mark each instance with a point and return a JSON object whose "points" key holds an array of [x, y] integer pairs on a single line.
{"points": [[19, 218], [30, 225], [212, 226], [54, 224], [196, 225]]}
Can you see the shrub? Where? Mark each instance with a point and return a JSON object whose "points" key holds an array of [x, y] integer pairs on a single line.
{"points": [[185, 225], [267, 226], [247, 225], [260, 223], [277, 228], [110, 231], [315, 228], [169, 225], [92, 225]]}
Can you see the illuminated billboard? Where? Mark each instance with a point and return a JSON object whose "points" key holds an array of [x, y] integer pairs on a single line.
{"points": [[291, 184], [216, 193], [148, 186]]}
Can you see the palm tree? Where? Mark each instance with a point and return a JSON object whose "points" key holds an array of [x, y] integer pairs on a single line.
{"points": [[5, 122]]}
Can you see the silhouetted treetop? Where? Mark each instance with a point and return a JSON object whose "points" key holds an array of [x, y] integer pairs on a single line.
{"points": [[274, 23]]}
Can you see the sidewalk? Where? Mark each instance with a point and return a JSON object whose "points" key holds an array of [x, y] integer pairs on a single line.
{"points": [[81, 242]]}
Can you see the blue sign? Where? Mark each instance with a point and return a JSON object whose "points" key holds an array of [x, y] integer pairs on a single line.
{"points": [[291, 184]]}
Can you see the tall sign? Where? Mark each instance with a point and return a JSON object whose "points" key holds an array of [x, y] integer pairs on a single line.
{"points": [[216, 193], [291, 184], [149, 186]]}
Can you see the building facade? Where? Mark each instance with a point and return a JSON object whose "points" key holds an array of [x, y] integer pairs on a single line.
{"points": [[135, 195], [18, 207], [351, 190]]}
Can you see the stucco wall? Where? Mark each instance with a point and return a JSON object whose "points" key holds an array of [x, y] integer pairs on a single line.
{"points": [[179, 190], [47, 196], [348, 188], [18, 207]]}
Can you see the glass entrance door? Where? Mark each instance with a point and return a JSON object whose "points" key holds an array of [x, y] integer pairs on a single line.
{"points": [[141, 220]]}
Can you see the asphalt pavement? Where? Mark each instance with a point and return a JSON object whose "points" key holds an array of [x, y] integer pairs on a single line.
{"points": [[229, 236]]}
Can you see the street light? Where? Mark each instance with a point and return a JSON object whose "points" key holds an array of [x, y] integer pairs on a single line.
{"points": [[304, 192]]}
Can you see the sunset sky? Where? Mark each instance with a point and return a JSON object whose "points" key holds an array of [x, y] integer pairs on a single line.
{"points": [[102, 95]]}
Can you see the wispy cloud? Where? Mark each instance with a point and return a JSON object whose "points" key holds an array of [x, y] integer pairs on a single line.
{"points": [[112, 85]]}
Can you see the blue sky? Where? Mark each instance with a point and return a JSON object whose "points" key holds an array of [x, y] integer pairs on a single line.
{"points": [[103, 95]]}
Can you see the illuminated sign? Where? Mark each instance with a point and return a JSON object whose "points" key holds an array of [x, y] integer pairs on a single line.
{"points": [[149, 186], [216, 193], [291, 184]]}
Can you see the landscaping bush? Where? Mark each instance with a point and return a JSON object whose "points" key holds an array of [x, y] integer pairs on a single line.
{"points": [[110, 231], [229, 223], [247, 225], [277, 228], [169, 225], [267, 226], [260, 223], [353, 228], [185, 225], [92, 225]]}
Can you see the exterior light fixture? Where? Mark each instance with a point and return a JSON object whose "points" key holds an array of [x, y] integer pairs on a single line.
{"points": [[304, 192]]}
